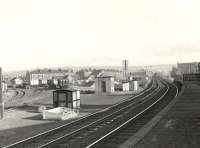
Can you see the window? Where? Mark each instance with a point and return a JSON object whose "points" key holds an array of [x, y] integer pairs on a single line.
{"points": [[62, 97]]}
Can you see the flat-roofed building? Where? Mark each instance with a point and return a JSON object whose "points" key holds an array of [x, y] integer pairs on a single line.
{"points": [[130, 85], [125, 86], [104, 84], [66, 98], [185, 72], [134, 85], [188, 68]]}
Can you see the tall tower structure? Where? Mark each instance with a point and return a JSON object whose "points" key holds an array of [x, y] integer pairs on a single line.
{"points": [[125, 69]]}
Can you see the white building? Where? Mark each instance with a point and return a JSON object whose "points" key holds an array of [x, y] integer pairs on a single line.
{"points": [[17, 81], [104, 84], [135, 85], [63, 80], [130, 86], [126, 86], [42, 77]]}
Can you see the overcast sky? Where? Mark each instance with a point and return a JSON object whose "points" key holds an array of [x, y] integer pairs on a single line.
{"points": [[40, 33]]}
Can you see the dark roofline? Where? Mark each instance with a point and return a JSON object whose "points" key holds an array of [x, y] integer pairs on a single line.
{"points": [[65, 90], [103, 76], [188, 63], [17, 78], [60, 77], [40, 71], [128, 81]]}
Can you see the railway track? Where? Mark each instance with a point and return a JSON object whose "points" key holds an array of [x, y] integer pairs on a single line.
{"points": [[21, 94], [90, 128], [13, 101], [119, 135]]}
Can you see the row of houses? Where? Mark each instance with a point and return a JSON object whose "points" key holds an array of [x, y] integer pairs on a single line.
{"points": [[41, 78], [96, 80], [46, 76]]}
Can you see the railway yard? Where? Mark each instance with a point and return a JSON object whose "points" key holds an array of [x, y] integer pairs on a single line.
{"points": [[89, 129], [158, 116], [21, 114], [99, 74]]}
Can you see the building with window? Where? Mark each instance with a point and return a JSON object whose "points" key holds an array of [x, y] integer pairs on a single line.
{"points": [[69, 98], [130, 85], [45, 76], [188, 68], [186, 72]]}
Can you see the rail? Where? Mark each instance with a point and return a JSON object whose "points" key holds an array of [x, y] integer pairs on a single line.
{"points": [[104, 112]]}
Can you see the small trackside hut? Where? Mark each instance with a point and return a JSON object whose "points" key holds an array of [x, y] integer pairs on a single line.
{"points": [[69, 98]]}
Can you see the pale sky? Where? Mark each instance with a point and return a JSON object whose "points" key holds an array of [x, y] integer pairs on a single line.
{"points": [[49, 33]]}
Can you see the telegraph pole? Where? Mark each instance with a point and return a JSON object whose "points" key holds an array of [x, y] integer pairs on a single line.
{"points": [[1, 95]]}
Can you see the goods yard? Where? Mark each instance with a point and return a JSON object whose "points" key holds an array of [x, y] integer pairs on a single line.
{"points": [[21, 113], [105, 121]]}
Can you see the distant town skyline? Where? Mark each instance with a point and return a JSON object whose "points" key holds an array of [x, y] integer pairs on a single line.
{"points": [[59, 33]]}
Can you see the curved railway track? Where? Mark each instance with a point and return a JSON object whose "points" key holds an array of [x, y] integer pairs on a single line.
{"points": [[19, 93], [90, 129], [14, 100], [119, 135]]}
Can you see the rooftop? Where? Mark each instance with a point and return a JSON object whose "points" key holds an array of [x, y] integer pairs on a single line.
{"points": [[39, 71], [104, 76], [65, 90], [61, 77]]}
